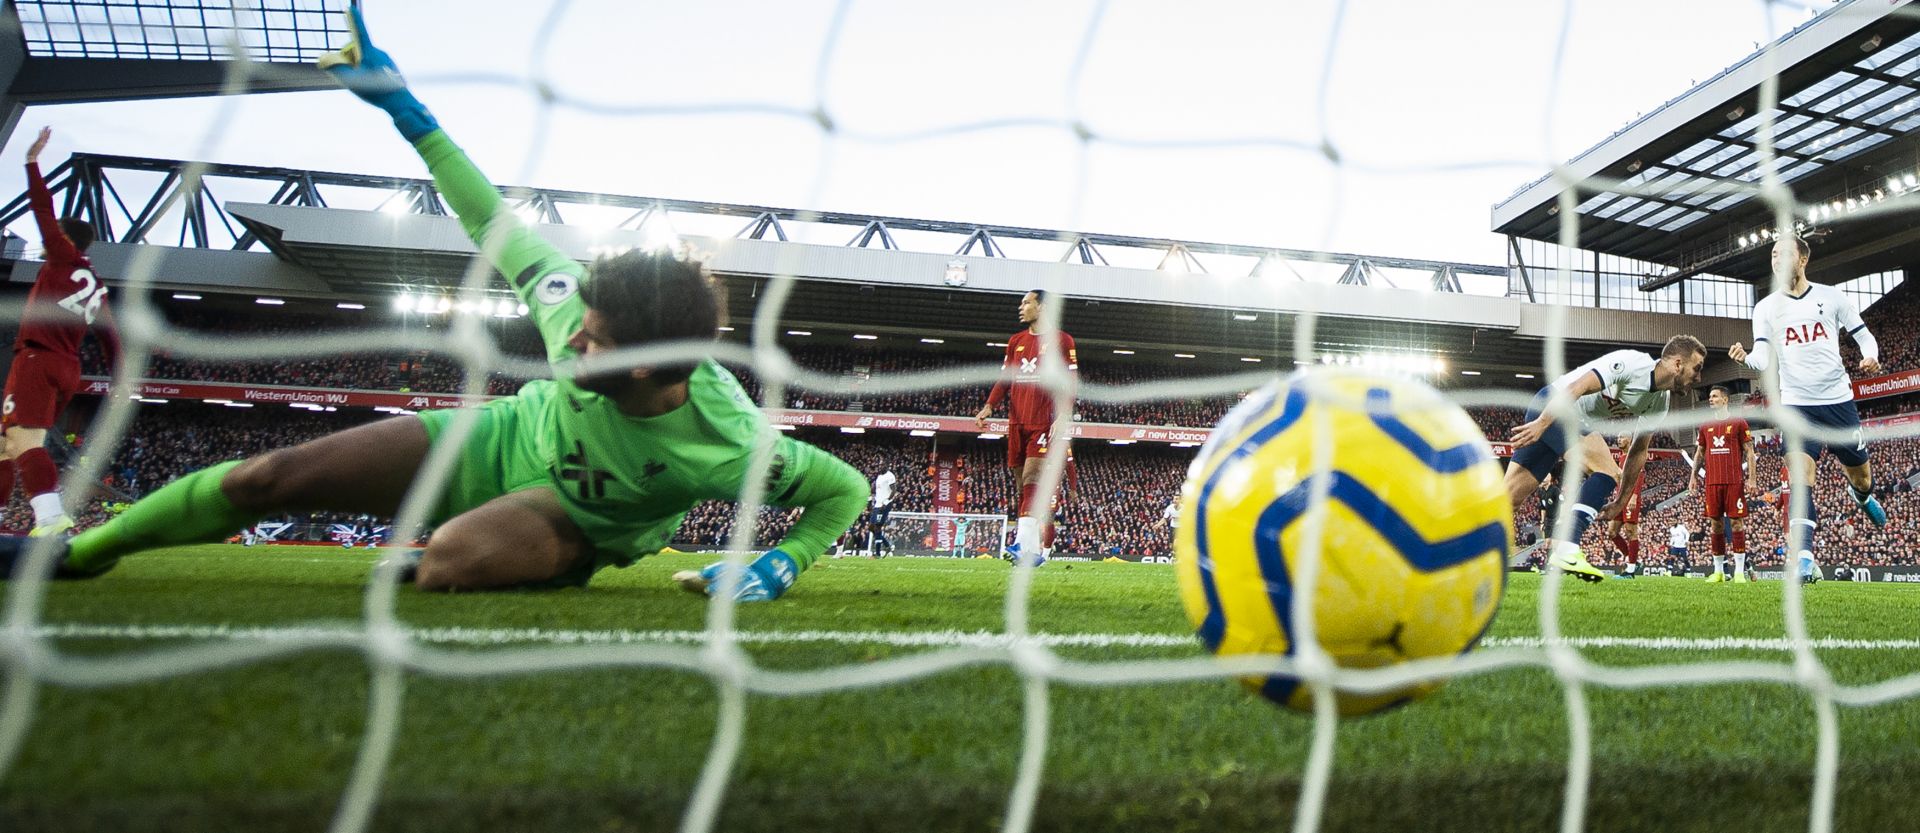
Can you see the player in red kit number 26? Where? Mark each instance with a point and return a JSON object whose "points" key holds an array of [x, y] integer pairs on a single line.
{"points": [[1726, 458], [1030, 418], [66, 301]]}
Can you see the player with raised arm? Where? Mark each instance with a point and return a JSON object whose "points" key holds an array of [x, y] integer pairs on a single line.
{"points": [[1624, 530], [1802, 327], [1623, 384], [1727, 463], [67, 300], [563, 478], [961, 525], [1030, 417]]}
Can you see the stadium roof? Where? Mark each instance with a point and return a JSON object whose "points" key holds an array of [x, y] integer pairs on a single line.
{"points": [[94, 50], [319, 237], [1678, 187], [880, 289], [874, 284], [287, 31]]}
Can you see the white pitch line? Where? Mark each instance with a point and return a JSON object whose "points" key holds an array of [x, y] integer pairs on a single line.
{"points": [[520, 636], [905, 639], [343, 559], [1717, 643]]}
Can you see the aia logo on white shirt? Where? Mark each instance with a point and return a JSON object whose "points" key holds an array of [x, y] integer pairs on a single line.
{"points": [[1806, 333]]}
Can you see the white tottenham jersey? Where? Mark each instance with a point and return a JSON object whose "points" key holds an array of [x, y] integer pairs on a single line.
{"points": [[883, 489], [1626, 388], [1677, 537], [1804, 333]]}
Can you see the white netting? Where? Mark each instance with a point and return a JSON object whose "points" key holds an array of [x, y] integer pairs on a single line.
{"points": [[392, 653]]}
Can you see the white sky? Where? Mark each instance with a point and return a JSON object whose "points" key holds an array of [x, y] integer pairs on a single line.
{"points": [[1450, 99]]}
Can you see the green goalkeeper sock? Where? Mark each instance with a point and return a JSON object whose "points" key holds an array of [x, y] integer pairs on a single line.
{"points": [[191, 510]]}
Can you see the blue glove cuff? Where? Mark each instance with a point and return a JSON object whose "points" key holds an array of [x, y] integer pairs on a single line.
{"points": [[412, 118], [414, 122], [777, 571]]}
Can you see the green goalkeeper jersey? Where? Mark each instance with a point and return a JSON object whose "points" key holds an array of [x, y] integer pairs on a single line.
{"points": [[627, 481]]}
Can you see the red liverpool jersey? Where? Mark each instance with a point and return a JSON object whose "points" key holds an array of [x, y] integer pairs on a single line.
{"points": [[67, 298], [1620, 457], [1029, 403], [1723, 451]]}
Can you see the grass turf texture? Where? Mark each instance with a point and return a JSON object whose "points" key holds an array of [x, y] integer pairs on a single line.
{"points": [[269, 746]]}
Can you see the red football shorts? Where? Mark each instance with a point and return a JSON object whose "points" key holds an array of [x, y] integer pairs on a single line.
{"points": [[1631, 514], [39, 386], [1725, 499], [1025, 442]]}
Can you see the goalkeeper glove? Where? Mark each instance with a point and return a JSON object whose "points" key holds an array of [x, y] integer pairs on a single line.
{"points": [[371, 75], [764, 580]]}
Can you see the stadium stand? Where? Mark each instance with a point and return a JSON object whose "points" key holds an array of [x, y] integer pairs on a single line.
{"points": [[426, 372], [1893, 322], [170, 440], [1888, 407], [1115, 508], [1843, 532]]}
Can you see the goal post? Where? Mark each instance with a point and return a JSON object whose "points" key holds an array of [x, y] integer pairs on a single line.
{"points": [[946, 534]]}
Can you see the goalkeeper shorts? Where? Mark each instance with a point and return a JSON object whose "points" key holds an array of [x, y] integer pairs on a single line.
{"points": [[498, 458]]}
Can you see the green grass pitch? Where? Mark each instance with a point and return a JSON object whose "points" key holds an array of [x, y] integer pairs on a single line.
{"points": [[269, 746]]}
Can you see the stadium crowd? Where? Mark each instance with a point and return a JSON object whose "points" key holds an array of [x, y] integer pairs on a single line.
{"points": [[418, 371], [1889, 406], [166, 441], [1114, 508], [1120, 491], [858, 365], [1844, 536], [1894, 321], [424, 372]]}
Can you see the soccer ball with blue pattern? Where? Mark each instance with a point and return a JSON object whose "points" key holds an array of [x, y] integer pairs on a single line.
{"points": [[1417, 529]]}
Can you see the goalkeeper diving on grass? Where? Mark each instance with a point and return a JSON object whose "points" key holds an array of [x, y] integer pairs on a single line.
{"points": [[564, 478]]}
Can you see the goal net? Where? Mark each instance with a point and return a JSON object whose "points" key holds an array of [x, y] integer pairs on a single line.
{"points": [[1093, 112], [947, 534]]}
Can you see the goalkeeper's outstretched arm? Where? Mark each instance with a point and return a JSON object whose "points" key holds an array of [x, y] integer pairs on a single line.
{"points": [[832, 493], [506, 242]]}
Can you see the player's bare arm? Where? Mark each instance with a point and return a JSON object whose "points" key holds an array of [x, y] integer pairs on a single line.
{"points": [[1753, 469], [1528, 433], [39, 144], [1630, 477], [1696, 467]]}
